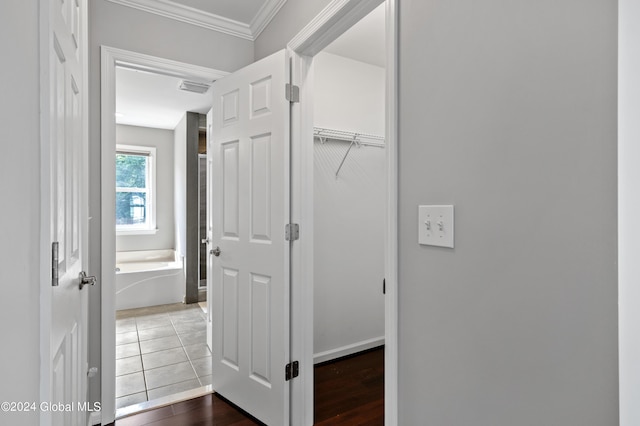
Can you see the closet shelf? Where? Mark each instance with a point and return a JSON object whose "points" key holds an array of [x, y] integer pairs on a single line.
{"points": [[359, 138]]}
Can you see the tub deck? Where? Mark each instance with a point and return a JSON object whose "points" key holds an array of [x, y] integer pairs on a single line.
{"points": [[149, 278]]}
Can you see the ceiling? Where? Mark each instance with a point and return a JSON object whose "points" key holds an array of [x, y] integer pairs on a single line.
{"points": [[153, 100], [365, 41]]}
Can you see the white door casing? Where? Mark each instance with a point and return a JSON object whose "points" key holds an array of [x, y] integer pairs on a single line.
{"points": [[66, 322], [250, 149], [209, 230]]}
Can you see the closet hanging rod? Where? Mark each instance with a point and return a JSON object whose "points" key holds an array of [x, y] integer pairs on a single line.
{"points": [[360, 138]]}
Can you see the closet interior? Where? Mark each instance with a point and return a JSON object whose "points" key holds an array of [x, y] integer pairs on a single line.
{"points": [[349, 210]]}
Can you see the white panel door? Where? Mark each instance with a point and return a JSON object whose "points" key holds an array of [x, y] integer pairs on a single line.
{"points": [[68, 322], [250, 149]]}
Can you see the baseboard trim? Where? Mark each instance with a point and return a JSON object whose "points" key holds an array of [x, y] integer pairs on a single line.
{"points": [[347, 350]]}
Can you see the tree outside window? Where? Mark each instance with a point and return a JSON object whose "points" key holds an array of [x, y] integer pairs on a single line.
{"points": [[134, 188]]}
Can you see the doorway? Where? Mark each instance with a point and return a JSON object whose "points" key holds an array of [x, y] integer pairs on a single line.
{"points": [[337, 18], [160, 329], [349, 218], [154, 234]]}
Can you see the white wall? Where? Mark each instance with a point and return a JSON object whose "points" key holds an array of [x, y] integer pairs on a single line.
{"points": [[348, 249], [359, 88], [162, 140], [20, 189], [629, 210], [131, 29], [349, 211]]}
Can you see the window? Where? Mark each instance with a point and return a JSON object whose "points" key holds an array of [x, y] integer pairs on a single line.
{"points": [[135, 187]]}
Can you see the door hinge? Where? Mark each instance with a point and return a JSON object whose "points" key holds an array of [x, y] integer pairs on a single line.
{"points": [[55, 260], [292, 92], [291, 370], [384, 286], [291, 232]]}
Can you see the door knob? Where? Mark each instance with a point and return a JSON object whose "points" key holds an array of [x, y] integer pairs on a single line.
{"points": [[86, 279], [216, 251]]}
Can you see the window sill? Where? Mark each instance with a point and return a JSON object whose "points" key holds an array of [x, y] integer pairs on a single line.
{"points": [[122, 232]]}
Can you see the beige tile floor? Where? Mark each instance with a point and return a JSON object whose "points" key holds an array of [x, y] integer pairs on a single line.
{"points": [[160, 350]]}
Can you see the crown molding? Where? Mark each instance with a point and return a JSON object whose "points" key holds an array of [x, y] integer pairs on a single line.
{"points": [[189, 15], [172, 10], [266, 13]]}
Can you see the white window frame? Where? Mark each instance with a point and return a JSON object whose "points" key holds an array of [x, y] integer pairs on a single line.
{"points": [[150, 226]]}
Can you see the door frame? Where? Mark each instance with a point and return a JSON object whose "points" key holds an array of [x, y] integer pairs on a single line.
{"points": [[332, 21], [110, 58], [628, 210]]}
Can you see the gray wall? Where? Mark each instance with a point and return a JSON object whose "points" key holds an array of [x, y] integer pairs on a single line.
{"points": [[20, 189], [507, 110], [162, 140], [131, 29]]}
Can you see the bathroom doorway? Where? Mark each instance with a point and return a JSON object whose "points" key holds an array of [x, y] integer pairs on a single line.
{"points": [[160, 349]]}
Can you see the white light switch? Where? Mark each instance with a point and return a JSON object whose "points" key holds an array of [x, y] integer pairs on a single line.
{"points": [[435, 226]]}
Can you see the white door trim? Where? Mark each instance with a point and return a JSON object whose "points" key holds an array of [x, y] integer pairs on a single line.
{"points": [[110, 58], [336, 18], [628, 210]]}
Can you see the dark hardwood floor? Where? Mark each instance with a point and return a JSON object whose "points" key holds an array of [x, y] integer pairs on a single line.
{"points": [[207, 410], [349, 391]]}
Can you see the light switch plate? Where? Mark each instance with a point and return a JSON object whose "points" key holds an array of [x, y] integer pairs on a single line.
{"points": [[435, 225]]}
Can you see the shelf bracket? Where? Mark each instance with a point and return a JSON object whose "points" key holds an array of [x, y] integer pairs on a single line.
{"points": [[355, 139]]}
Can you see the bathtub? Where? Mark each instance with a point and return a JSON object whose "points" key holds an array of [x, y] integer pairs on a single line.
{"points": [[148, 278]]}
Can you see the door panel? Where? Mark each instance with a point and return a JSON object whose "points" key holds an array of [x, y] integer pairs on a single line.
{"points": [[250, 207], [260, 333], [230, 190], [260, 193], [68, 322], [230, 315]]}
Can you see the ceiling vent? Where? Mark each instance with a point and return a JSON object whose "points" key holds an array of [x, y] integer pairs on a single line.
{"points": [[192, 86]]}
